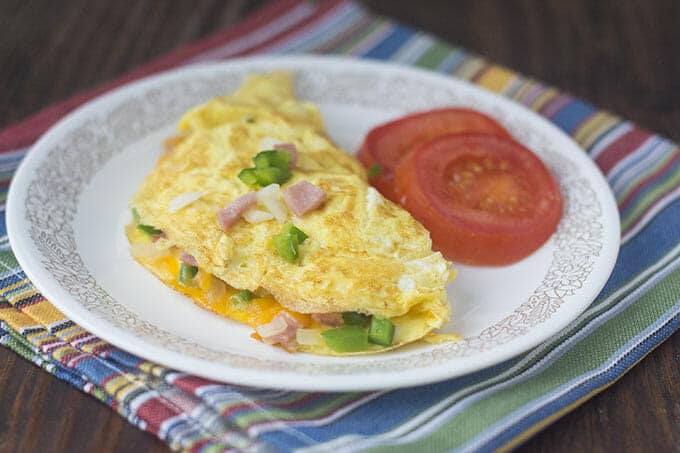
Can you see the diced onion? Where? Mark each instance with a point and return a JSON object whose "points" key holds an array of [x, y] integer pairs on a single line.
{"points": [[145, 250], [406, 284], [270, 197], [373, 199], [308, 337], [268, 143], [183, 200], [256, 216], [216, 290], [277, 326]]}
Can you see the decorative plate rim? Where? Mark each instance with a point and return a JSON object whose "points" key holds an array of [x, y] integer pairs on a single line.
{"points": [[46, 181]]}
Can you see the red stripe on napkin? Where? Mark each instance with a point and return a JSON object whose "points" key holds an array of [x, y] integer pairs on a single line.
{"points": [[621, 147], [327, 9], [623, 204]]}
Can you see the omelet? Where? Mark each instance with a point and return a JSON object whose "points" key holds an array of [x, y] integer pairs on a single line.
{"points": [[363, 277]]}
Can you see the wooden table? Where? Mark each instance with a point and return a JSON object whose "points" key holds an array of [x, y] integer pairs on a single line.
{"points": [[621, 55]]}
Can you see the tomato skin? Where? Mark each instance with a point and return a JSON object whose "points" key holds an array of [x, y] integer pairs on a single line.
{"points": [[460, 227], [387, 144]]}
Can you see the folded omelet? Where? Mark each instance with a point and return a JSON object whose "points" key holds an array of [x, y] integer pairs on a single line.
{"points": [[365, 264]]}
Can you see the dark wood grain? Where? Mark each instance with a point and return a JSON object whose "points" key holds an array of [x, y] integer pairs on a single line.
{"points": [[621, 55]]}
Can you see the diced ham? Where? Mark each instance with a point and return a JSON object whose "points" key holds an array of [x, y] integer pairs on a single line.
{"points": [[231, 213], [188, 259], [171, 143], [282, 329], [156, 237], [303, 197], [329, 319], [293, 152]]}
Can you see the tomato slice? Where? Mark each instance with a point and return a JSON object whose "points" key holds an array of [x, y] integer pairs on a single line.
{"points": [[387, 144], [485, 200]]}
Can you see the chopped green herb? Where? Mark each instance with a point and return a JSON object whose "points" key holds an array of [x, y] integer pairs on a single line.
{"points": [[381, 331], [286, 247], [297, 233], [135, 216], [346, 339], [271, 167], [287, 242], [271, 175], [374, 171], [187, 272], [250, 120], [148, 229], [352, 318], [242, 297], [247, 175], [273, 158]]}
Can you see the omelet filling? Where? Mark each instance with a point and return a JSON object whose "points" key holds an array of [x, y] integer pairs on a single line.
{"points": [[256, 310], [211, 293], [205, 289]]}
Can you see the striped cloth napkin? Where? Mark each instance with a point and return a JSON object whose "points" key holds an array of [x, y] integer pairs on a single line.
{"points": [[495, 408]]}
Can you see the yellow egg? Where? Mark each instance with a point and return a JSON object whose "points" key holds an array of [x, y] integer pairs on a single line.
{"points": [[363, 253]]}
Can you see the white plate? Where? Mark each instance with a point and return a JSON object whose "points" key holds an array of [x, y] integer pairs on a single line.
{"points": [[69, 202]]}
